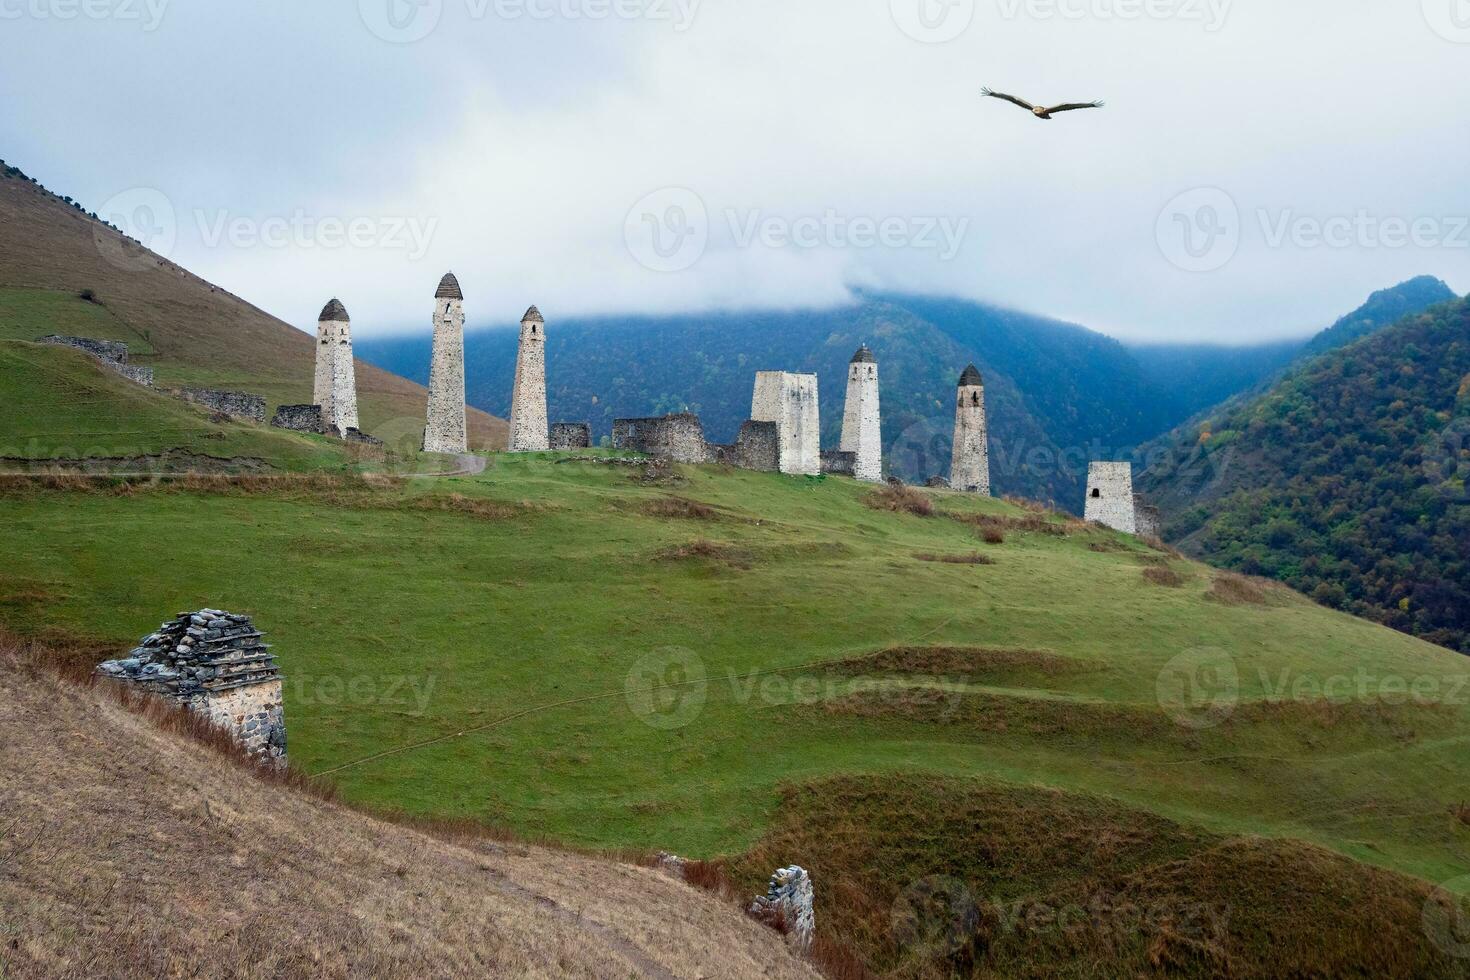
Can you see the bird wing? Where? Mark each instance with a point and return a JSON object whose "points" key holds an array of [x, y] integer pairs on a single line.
{"points": [[1069, 106], [1009, 98]]}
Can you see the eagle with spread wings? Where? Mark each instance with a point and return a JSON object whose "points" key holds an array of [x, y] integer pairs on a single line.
{"points": [[1041, 111]]}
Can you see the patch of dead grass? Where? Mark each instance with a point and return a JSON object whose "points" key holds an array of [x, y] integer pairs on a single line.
{"points": [[972, 559], [899, 498]]}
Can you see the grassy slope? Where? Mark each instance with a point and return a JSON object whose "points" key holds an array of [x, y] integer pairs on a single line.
{"points": [[197, 333], [62, 405], [398, 621]]}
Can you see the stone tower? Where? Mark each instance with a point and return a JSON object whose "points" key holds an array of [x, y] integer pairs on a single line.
{"points": [[790, 400], [445, 428], [862, 432], [970, 467], [528, 429], [335, 389], [1110, 496]]}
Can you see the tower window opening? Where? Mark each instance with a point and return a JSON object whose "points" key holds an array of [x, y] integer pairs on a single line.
{"points": [[1096, 494]]}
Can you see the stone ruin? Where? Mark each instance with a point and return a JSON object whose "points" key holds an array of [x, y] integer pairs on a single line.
{"points": [[111, 354], [570, 435], [790, 400], [300, 418], [787, 905], [214, 663], [679, 437], [1112, 502], [235, 404], [1149, 523]]}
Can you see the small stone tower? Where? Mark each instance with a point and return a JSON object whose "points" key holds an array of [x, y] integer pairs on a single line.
{"points": [[528, 430], [445, 428], [970, 467], [1110, 496], [790, 401], [862, 431], [335, 389]]}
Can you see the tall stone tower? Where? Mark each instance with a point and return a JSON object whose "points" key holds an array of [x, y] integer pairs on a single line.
{"points": [[790, 400], [444, 431], [862, 431], [970, 468], [335, 389], [1110, 498], [528, 429]]}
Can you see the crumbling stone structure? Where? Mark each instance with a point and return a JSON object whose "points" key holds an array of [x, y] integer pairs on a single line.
{"points": [[528, 397], [335, 387], [790, 400], [215, 664], [757, 447], [571, 435], [445, 430], [862, 431], [835, 462], [1148, 522], [787, 905], [1110, 496], [679, 438], [300, 418], [236, 404], [970, 465], [111, 354]]}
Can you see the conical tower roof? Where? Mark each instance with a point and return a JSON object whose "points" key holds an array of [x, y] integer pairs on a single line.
{"points": [[533, 315], [863, 356], [971, 378], [333, 311], [448, 288]]}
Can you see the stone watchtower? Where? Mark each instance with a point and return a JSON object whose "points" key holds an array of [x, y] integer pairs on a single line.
{"points": [[790, 401], [528, 429], [970, 467], [1110, 496], [862, 432], [445, 428], [335, 389]]}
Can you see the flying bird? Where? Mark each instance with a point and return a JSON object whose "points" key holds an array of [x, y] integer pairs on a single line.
{"points": [[1040, 111]]}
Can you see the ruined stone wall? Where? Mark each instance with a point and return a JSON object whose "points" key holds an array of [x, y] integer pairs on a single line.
{"points": [[571, 435], [862, 431], [676, 437], [1148, 522], [300, 418], [836, 462], [970, 466], [1110, 496], [789, 904], [236, 404], [528, 430], [790, 400], [759, 447], [444, 431], [217, 664], [111, 354]]}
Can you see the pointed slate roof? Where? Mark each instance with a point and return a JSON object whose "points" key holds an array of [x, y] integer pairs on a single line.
{"points": [[863, 356], [533, 315], [448, 288], [333, 311], [971, 378]]}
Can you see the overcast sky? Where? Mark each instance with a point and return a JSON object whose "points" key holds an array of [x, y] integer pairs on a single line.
{"points": [[1259, 168]]}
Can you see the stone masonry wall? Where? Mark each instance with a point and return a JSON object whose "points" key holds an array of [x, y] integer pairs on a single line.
{"points": [[216, 664], [1110, 496], [111, 354], [444, 429], [756, 448], [571, 435], [790, 400], [789, 905], [839, 463], [236, 404], [300, 418], [676, 437], [1148, 522], [862, 430], [970, 466]]}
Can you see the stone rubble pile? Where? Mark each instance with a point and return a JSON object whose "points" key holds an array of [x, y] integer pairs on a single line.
{"points": [[199, 653], [787, 903]]}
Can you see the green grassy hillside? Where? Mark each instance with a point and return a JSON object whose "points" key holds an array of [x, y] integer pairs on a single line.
{"points": [[595, 654]]}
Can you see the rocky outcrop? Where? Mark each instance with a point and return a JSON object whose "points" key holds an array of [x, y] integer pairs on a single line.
{"points": [[787, 906]]}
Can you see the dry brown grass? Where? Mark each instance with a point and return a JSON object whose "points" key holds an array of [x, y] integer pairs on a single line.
{"points": [[713, 551], [680, 508], [953, 661], [993, 527], [971, 559], [1233, 589], [899, 498], [1164, 576], [123, 824]]}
